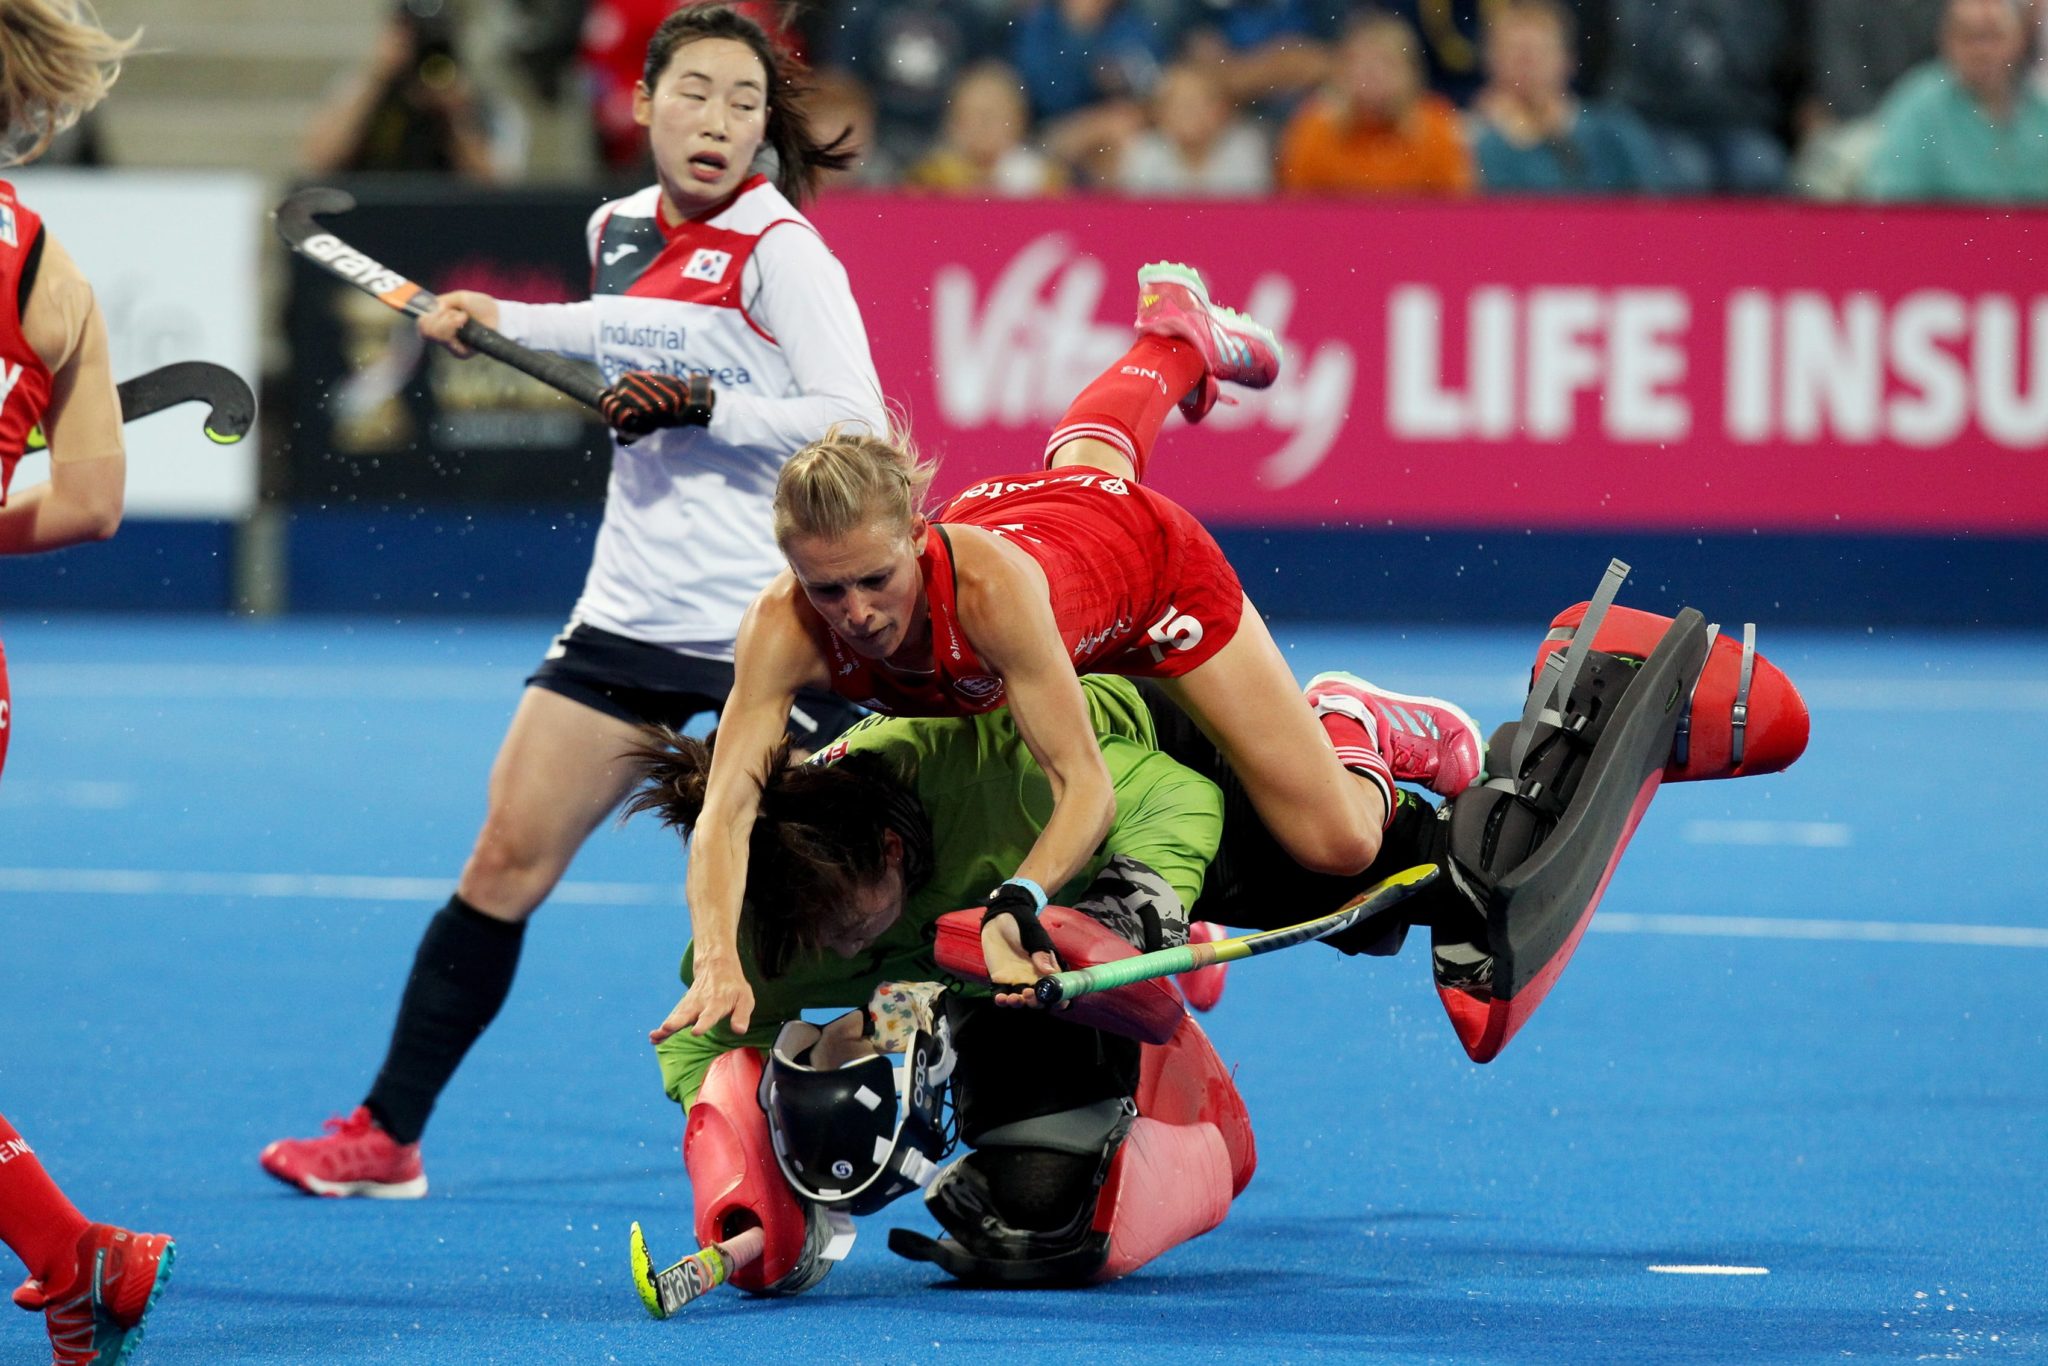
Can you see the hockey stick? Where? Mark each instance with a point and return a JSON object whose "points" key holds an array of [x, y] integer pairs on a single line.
{"points": [[1064, 986], [294, 219], [230, 406], [664, 1292]]}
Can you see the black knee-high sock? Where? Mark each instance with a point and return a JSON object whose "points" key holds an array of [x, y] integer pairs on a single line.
{"points": [[460, 977]]}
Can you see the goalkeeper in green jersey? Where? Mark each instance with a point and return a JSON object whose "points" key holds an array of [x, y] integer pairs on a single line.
{"points": [[856, 857]]}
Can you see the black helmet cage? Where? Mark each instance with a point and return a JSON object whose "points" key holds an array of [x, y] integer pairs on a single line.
{"points": [[856, 1137]]}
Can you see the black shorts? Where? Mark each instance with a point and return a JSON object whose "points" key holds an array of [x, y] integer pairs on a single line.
{"points": [[643, 684]]}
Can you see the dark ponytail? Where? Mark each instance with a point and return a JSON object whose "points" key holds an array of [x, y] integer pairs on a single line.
{"points": [[816, 842], [799, 154]]}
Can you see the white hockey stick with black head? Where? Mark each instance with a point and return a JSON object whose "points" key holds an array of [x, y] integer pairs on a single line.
{"points": [[296, 225]]}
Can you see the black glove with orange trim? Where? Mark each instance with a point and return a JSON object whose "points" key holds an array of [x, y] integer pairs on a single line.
{"points": [[644, 401]]}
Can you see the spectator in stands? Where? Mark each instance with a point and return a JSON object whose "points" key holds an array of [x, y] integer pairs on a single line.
{"points": [[2040, 27], [1969, 126], [910, 54], [1453, 36], [1450, 34], [1705, 75], [839, 100], [413, 107], [1531, 134], [1197, 144], [1073, 54], [1266, 52], [1858, 50], [982, 145], [1375, 128]]}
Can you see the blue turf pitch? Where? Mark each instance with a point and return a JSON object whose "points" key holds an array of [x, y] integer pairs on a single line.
{"points": [[218, 843]]}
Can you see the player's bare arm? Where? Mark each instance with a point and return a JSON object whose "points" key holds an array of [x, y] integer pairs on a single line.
{"points": [[88, 469], [1006, 613], [775, 655]]}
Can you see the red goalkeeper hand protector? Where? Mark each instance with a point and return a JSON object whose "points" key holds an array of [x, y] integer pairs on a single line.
{"points": [[644, 401]]}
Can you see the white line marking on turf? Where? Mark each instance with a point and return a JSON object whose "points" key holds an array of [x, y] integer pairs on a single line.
{"points": [[451, 682], [346, 887], [1713, 1270], [1803, 834], [78, 795], [273, 682], [1869, 931], [301, 886]]}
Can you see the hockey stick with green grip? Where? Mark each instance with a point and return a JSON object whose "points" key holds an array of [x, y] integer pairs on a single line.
{"points": [[1064, 986]]}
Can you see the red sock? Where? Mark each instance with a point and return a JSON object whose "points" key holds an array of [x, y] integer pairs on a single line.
{"points": [[1126, 403], [35, 1219], [1360, 753]]}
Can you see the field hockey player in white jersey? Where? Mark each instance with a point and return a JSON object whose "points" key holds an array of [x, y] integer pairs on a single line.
{"points": [[729, 337]]}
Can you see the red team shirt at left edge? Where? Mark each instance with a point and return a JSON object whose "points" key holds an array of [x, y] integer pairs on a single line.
{"points": [[24, 379]]}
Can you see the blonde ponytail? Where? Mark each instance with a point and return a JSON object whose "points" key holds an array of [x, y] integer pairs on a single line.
{"points": [[848, 479]]}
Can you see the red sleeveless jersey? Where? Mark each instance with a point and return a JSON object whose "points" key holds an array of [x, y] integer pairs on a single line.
{"points": [[24, 379], [1137, 587]]}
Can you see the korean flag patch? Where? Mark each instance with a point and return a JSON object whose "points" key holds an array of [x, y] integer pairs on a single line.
{"points": [[708, 265], [7, 226]]}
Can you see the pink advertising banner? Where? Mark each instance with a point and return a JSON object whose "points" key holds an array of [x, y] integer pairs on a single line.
{"points": [[1666, 366]]}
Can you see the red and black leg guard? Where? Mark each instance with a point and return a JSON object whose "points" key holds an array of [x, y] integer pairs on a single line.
{"points": [[1160, 1179], [1147, 1011], [1533, 848], [733, 1176], [1127, 403], [1744, 715], [1168, 1183], [1189, 1154], [1182, 1081]]}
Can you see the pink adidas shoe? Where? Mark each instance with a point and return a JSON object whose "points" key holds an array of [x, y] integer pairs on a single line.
{"points": [[97, 1319], [354, 1157], [1424, 739], [1173, 302]]}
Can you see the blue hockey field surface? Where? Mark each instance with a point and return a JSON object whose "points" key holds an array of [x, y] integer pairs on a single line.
{"points": [[1789, 1103]]}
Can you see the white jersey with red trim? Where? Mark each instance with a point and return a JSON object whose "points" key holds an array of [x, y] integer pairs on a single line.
{"points": [[749, 295]]}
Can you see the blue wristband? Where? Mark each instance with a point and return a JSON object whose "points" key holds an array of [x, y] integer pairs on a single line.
{"points": [[1038, 896]]}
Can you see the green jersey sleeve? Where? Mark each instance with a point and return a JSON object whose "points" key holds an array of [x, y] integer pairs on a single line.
{"points": [[1168, 817]]}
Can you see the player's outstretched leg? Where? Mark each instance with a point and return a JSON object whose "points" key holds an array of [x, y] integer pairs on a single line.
{"points": [[95, 1315], [92, 1282], [556, 778], [1423, 740], [1186, 346]]}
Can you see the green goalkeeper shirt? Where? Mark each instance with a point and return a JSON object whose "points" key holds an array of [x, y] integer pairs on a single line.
{"points": [[987, 800]]}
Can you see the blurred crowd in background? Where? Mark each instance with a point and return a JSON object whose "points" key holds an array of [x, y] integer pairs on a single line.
{"points": [[1829, 99]]}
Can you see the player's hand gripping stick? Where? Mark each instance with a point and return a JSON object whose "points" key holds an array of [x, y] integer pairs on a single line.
{"points": [[1063, 986]]}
